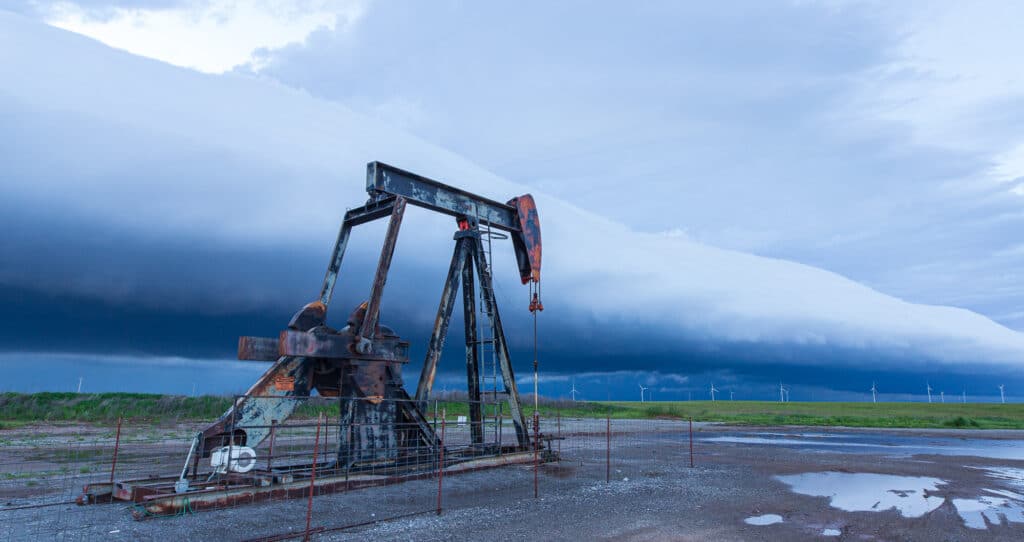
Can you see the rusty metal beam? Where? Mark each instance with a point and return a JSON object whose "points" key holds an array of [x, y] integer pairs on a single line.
{"points": [[441, 321], [353, 217], [430, 194], [381, 277], [472, 355], [338, 346]]}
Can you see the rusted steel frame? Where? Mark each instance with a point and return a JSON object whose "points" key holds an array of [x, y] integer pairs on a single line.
{"points": [[441, 321], [334, 266], [275, 395], [381, 277], [500, 347], [412, 411], [472, 356], [117, 445], [430, 194], [171, 504], [354, 217]]}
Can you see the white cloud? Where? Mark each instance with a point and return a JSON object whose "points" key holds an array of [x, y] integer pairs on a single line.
{"points": [[212, 36], [954, 76], [316, 151]]}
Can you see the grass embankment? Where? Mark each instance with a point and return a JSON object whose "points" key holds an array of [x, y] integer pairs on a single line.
{"points": [[907, 415], [19, 409]]}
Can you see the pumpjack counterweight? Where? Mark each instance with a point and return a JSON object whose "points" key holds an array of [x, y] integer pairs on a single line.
{"points": [[360, 365]]}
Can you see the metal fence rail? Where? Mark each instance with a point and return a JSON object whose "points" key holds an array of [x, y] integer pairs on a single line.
{"points": [[302, 482]]}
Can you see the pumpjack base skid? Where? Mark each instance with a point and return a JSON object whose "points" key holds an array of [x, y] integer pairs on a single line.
{"points": [[156, 497]]}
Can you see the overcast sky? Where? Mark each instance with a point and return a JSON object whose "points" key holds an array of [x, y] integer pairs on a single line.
{"points": [[882, 142]]}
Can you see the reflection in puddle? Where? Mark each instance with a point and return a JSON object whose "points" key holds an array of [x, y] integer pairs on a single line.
{"points": [[1008, 508], [766, 519], [1012, 475], [890, 444], [868, 492]]}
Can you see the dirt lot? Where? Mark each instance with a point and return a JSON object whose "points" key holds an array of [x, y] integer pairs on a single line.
{"points": [[653, 494]]}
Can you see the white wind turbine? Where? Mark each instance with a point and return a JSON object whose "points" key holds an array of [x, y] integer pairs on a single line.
{"points": [[713, 390], [1002, 396], [963, 396], [730, 394], [80, 384], [874, 393], [783, 393], [942, 396], [642, 390], [929, 386], [574, 391]]}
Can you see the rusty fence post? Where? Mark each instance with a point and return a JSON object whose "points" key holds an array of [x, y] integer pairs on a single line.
{"points": [[270, 452], [691, 442], [440, 461], [536, 452], [608, 450], [117, 444], [559, 418], [312, 478]]}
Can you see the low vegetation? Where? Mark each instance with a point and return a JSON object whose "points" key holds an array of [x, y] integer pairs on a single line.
{"points": [[17, 409]]}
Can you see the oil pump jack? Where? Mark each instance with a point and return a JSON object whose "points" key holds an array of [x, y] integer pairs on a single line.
{"points": [[361, 364]]}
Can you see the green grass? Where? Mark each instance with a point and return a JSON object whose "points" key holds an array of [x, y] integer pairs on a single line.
{"points": [[17, 410], [911, 415]]}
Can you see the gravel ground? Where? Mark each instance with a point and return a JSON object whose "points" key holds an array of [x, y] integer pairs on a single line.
{"points": [[653, 495]]}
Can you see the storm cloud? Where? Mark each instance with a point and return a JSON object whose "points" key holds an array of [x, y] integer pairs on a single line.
{"points": [[156, 194]]}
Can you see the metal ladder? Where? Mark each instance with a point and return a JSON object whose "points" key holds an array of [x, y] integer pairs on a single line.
{"points": [[488, 355]]}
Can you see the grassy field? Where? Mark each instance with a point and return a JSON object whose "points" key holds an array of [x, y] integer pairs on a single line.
{"points": [[19, 409]]}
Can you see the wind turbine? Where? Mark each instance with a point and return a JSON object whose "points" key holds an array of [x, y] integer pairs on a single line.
{"points": [[1002, 396], [642, 390], [929, 391], [79, 384], [574, 391], [942, 396], [782, 393], [963, 397], [874, 393], [730, 394], [713, 390]]}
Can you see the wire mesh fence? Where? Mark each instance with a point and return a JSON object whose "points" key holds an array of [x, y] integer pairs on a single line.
{"points": [[321, 470]]}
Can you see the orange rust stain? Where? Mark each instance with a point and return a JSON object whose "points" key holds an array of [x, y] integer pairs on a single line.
{"points": [[284, 383]]}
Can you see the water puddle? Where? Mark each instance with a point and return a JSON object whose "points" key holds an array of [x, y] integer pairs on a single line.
{"points": [[868, 492], [1011, 475], [766, 519], [902, 445], [978, 513], [911, 496]]}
